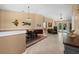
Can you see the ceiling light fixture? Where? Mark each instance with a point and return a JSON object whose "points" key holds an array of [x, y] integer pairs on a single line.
{"points": [[61, 17], [28, 19]]}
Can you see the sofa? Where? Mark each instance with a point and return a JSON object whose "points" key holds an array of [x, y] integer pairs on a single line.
{"points": [[52, 30]]}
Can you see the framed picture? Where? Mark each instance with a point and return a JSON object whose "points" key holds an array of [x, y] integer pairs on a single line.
{"points": [[16, 22], [49, 24]]}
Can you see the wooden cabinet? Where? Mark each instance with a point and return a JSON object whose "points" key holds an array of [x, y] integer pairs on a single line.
{"points": [[75, 9], [71, 50]]}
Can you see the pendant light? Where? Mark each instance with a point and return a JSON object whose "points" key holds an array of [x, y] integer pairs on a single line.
{"points": [[61, 17], [28, 19]]}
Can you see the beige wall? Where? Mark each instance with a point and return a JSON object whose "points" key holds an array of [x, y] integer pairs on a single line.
{"points": [[7, 17]]}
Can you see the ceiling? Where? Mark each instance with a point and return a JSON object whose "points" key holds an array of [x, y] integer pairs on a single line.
{"points": [[49, 10]]}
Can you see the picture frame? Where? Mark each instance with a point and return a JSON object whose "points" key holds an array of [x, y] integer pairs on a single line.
{"points": [[49, 24]]}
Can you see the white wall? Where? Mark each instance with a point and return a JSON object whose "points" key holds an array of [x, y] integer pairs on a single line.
{"points": [[49, 10]]}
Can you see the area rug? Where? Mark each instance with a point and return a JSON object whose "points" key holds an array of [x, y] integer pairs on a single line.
{"points": [[34, 41]]}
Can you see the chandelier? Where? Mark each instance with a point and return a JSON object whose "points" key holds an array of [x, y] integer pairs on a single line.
{"points": [[28, 19]]}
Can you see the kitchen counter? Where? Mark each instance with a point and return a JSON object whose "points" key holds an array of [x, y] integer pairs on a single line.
{"points": [[72, 41], [71, 44]]}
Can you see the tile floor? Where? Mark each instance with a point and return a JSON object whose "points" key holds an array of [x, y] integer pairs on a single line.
{"points": [[53, 44]]}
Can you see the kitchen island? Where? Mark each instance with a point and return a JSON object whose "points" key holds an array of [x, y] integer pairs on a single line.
{"points": [[12, 42]]}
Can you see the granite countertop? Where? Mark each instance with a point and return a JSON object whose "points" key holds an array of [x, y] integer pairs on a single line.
{"points": [[72, 41]]}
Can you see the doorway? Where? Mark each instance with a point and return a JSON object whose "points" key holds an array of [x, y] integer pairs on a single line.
{"points": [[63, 26]]}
